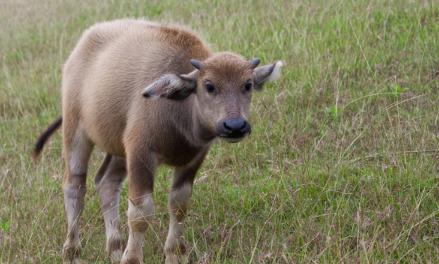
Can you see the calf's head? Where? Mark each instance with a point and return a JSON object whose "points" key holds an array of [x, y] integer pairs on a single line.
{"points": [[223, 86]]}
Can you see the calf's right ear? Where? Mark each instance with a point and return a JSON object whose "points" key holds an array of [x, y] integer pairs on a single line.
{"points": [[172, 86]]}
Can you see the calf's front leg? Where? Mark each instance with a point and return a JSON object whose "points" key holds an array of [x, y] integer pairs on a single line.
{"points": [[141, 167], [175, 248]]}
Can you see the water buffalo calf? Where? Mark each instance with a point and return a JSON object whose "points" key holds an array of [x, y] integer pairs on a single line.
{"points": [[146, 94]]}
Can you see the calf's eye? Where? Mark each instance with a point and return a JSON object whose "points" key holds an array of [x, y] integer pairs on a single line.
{"points": [[209, 87], [248, 86]]}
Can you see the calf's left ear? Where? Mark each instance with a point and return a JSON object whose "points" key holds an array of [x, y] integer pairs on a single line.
{"points": [[172, 86], [266, 73]]}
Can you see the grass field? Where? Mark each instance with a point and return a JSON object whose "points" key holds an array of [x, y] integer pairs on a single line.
{"points": [[342, 165]]}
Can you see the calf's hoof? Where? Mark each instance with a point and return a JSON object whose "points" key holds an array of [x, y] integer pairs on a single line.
{"points": [[116, 256], [176, 259], [115, 251], [70, 255], [175, 251], [130, 259], [74, 261]]}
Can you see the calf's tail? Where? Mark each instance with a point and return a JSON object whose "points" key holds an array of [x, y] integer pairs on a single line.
{"points": [[42, 139]]}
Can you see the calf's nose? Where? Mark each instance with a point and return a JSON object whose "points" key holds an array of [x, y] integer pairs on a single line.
{"points": [[236, 127], [235, 124]]}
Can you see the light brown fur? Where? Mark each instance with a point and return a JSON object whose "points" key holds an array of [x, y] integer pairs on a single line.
{"points": [[103, 81]]}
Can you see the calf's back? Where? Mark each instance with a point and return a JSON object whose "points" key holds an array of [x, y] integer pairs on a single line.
{"points": [[111, 64]]}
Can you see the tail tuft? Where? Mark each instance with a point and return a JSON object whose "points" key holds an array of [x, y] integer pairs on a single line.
{"points": [[42, 139]]}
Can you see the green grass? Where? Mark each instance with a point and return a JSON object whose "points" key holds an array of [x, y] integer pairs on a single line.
{"points": [[342, 166]]}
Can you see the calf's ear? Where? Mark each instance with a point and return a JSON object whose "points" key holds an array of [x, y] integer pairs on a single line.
{"points": [[172, 86], [266, 73]]}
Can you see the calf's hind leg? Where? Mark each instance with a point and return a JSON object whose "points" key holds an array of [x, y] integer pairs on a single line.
{"points": [[77, 150], [108, 183]]}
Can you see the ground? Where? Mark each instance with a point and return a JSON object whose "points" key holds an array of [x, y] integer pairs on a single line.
{"points": [[342, 164]]}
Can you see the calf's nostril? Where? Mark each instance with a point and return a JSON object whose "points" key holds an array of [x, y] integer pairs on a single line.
{"points": [[244, 124], [226, 126], [234, 124]]}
